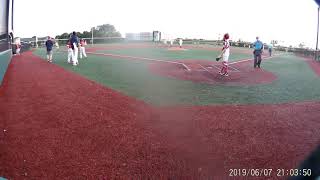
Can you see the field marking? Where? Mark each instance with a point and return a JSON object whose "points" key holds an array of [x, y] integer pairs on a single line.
{"points": [[236, 70], [173, 62], [205, 69], [6, 51], [141, 58], [215, 66], [245, 60], [218, 68]]}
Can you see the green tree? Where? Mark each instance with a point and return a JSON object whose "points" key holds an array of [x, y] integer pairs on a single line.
{"points": [[106, 30], [301, 45], [63, 36], [86, 34]]}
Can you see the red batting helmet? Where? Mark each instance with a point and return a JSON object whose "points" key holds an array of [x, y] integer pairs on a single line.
{"points": [[226, 36]]}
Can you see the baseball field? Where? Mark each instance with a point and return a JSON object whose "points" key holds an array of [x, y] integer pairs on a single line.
{"points": [[149, 111]]}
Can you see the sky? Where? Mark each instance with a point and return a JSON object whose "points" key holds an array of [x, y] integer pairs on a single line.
{"points": [[289, 21]]}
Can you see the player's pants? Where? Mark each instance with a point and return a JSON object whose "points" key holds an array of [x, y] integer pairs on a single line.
{"points": [[180, 44], [75, 55], [18, 51], [70, 54], [49, 55], [224, 68], [257, 58], [82, 51], [270, 52]]}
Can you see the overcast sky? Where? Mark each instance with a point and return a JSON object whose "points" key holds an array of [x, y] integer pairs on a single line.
{"points": [[291, 21]]}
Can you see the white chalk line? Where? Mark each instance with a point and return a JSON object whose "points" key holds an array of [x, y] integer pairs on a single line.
{"points": [[245, 60], [141, 58], [218, 68], [237, 70], [205, 69], [6, 51]]}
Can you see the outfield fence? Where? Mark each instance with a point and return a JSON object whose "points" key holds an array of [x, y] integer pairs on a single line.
{"points": [[307, 53], [29, 42]]}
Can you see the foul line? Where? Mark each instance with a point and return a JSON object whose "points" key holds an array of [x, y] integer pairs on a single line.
{"points": [[236, 70], [141, 58], [6, 51], [215, 66], [245, 60], [218, 68], [205, 69]]}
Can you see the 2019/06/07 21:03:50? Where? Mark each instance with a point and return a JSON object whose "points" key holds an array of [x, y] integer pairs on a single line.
{"points": [[269, 172]]}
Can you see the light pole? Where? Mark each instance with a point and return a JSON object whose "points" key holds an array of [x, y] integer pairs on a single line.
{"points": [[92, 36], [316, 54]]}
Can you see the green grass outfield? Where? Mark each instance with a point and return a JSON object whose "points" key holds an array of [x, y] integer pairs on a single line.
{"points": [[296, 81], [163, 53]]}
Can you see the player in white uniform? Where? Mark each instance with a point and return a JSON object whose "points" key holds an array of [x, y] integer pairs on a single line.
{"points": [[180, 42], [75, 54], [57, 44], [70, 52], [171, 42], [74, 44], [18, 46], [82, 48], [225, 55]]}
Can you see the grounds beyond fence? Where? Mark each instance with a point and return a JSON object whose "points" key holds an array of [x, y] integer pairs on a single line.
{"points": [[307, 53], [106, 40], [95, 40]]}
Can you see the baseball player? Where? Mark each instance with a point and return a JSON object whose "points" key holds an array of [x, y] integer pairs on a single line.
{"points": [[70, 52], [82, 48], [180, 42], [57, 44], [18, 46], [49, 46], [270, 49], [171, 42], [165, 42], [225, 55], [74, 45], [258, 50]]}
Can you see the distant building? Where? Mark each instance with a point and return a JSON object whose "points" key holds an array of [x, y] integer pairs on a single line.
{"points": [[146, 36], [142, 36]]}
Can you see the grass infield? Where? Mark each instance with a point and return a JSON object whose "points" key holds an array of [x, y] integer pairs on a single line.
{"points": [[295, 80]]}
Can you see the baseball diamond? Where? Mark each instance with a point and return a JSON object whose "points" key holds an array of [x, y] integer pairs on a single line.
{"points": [[133, 104], [153, 104]]}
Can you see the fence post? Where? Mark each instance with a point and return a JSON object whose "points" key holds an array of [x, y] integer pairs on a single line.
{"points": [[316, 53]]}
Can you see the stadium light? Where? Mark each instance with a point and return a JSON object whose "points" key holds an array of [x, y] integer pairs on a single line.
{"points": [[316, 54], [92, 36], [317, 35]]}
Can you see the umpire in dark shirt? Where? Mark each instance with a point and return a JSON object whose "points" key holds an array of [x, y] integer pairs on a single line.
{"points": [[49, 46], [258, 48], [74, 39]]}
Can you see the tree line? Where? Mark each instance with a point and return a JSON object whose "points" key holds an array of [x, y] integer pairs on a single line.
{"points": [[105, 30]]}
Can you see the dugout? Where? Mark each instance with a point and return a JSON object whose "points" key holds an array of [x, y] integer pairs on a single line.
{"points": [[6, 35]]}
